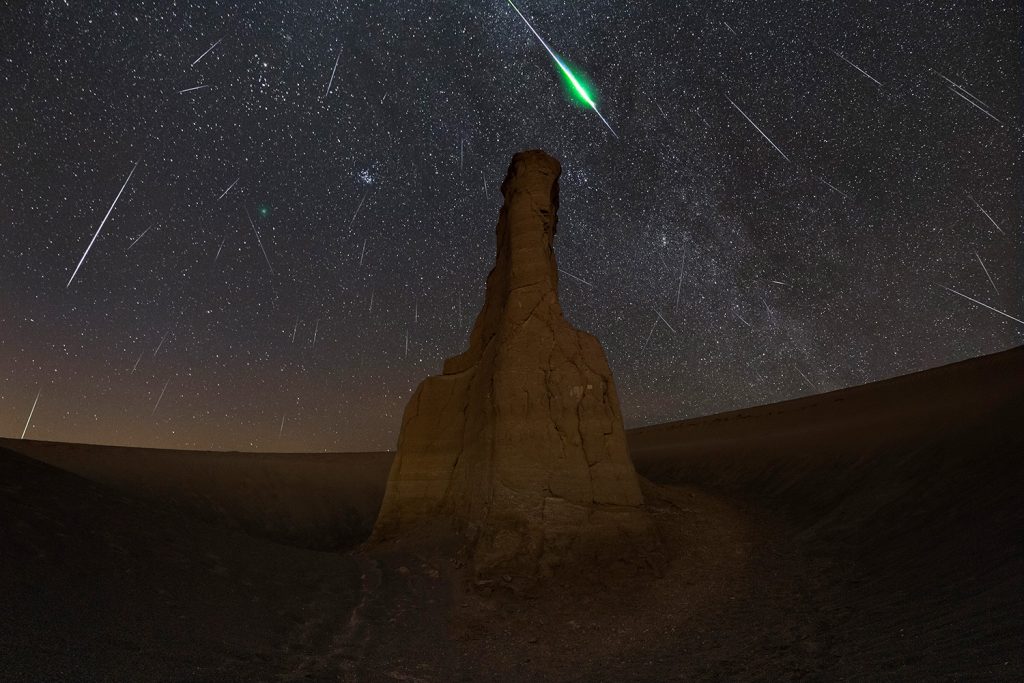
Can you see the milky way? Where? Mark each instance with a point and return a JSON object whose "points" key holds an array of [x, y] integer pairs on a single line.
{"points": [[311, 220]]}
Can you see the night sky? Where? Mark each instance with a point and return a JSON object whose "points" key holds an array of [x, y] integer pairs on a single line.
{"points": [[721, 266]]}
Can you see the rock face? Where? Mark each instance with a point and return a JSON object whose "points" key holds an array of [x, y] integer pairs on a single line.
{"points": [[520, 442]]}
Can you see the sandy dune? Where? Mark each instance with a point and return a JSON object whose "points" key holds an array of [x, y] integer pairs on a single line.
{"points": [[872, 533]]}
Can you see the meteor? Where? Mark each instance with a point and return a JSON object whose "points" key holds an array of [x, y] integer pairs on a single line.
{"points": [[197, 87], [328, 91], [102, 223], [161, 396], [228, 190], [207, 51], [758, 129], [990, 219], [259, 241], [29, 420], [138, 238], [578, 279], [577, 86], [982, 264], [856, 67], [1005, 315]]}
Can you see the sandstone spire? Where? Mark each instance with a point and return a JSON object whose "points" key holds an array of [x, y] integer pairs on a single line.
{"points": [[520, 441]]}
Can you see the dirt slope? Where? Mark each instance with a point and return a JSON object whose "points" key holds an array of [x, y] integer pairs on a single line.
{"points": [[869, 534]]}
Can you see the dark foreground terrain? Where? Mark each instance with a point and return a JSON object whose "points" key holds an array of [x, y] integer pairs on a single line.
{"points": [[873, 533]]}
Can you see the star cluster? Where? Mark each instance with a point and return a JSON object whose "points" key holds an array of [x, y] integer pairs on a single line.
{"points": [[800, 198]]}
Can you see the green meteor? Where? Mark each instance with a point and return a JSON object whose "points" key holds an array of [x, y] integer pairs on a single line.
{"points": [[577, 86]]}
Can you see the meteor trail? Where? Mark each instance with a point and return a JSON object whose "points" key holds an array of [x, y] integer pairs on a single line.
{"points": [[855, 66], [102, 223], [197, 87], [228, 190], [29, 420], [315, 330], [161, 396], [982, 264], [976, 106], [138, 238], [679, 287], [352, 222], [162, 340], [1005, 315], [666, 322], [649, 335], [758, 129], [579, 279], [809, 383], [960, 91], [580, 90], [328, 91], [991, 220], [207, 51], [259, 241], [841, 193], [137, 360]]}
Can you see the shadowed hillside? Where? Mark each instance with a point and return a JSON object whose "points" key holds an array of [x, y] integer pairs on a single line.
{"points": [[870, 533]]}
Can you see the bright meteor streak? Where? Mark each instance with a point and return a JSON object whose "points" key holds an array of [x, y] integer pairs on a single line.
{"points": [[102, 223], [580, 89]]}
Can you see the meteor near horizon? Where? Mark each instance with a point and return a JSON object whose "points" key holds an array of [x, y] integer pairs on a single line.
{"points": [[580, 89]]}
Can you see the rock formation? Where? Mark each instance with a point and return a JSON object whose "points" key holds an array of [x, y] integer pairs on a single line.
{"points": [[520, 442]]}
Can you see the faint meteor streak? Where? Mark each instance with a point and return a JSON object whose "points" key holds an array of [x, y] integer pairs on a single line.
{"points": [[30, 413], [990, 219], [259, 241], [976, 106], [137, 360], [136, 241], [162, 340], [316, 329], [742, 319], [102, 223], [1005, 315], [196, 87], [362, 253], [207, 51], [964, 94], [228, 189], [281, 430], [328, 91], [221, 246], [982, 264], [160, 397], [758, 129], [666, 323], [961, 88], [856, 67], [809, 382], [352, 222], [833, 187], [679, 287], [580, 90], [649, 335], [295, 329], [578, 279]]}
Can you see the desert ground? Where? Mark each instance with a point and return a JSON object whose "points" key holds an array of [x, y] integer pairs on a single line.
{"points": [[873, 533]]}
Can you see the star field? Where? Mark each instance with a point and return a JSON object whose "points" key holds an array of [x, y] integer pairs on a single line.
{"points": [[800, 197]]}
